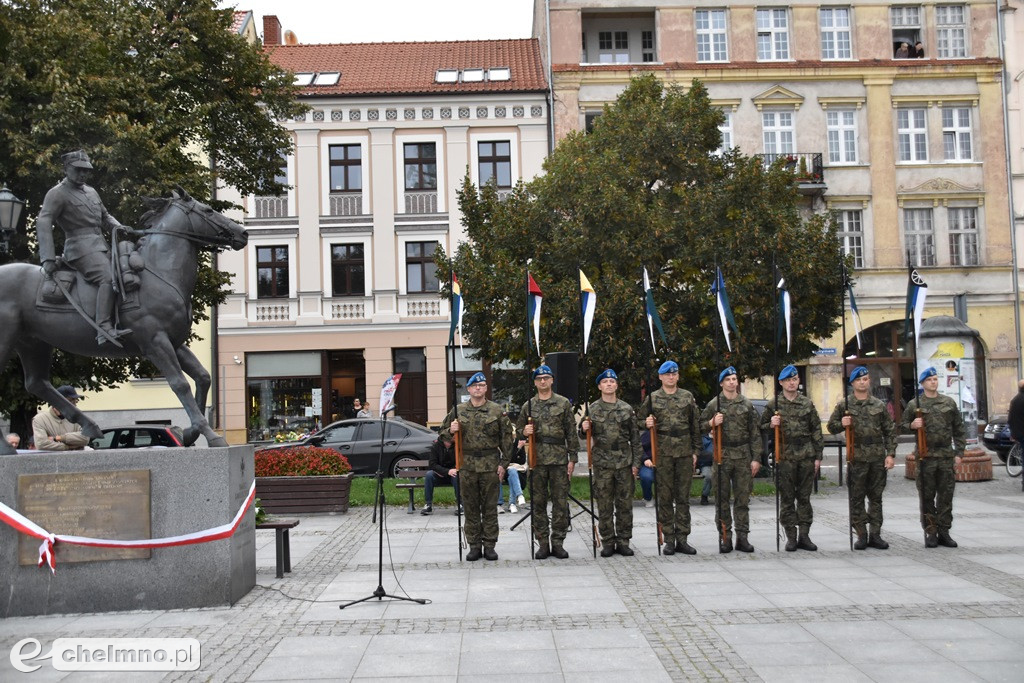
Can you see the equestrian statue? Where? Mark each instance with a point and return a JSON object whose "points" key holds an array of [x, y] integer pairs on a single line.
{"points": [[122, 301]]}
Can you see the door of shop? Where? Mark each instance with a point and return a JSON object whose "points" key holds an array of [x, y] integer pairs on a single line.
{"points": [[411, 397]]}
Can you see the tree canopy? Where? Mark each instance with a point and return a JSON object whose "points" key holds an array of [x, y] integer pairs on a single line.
{"points": [[648, 188], [158, 93]]}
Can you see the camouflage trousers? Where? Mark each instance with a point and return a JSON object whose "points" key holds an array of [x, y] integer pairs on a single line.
{"points": [[479, 491], [737, 482], [673, 477], [613, 489], [550, 483], [796, 481], [935, 482], [867, 480]]}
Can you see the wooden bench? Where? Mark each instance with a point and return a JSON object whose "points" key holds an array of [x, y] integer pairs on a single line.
{"points": [[284, 551], [413, 471]]}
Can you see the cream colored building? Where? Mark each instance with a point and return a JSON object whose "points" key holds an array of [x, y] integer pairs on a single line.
{"points": [[337, 290], [908, 150]]}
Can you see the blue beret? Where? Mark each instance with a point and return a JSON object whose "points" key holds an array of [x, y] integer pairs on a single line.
{"points": [[928, 372], [725, 373], [607, 374], [787, 372], [476, 379], [668, 366], [543, 370], [858, 371]]}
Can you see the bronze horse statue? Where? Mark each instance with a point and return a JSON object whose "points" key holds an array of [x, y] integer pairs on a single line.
{"points": [[176, 229]]}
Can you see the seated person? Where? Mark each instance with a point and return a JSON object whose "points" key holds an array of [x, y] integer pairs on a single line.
{"points": [[442, 472], [515, 489]]}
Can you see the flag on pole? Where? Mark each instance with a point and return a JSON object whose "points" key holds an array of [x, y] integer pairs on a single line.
{"points": [[387, 392], [457, 310], [917, 292], [653, 320], [786, 308], [588, 303], [855, 314], [535, 298], [724, 310]]}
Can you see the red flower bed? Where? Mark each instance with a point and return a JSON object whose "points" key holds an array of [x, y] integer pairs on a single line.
{"points": [[301, 461]]}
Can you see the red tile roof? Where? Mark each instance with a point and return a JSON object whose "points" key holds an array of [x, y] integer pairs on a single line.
{"points": [[238, 20], [409, 68]]}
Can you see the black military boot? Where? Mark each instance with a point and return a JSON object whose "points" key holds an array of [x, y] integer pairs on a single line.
{"points": [[742, 544], [669, 547], [944, 540], [489, 554], [542, 552], [725, 544], [875, 541], [624, 549], [804, 542], [703, 500], [791, 541], [685, 548], [931, 540], [474, 554], [607, 550], [559, 552], [862, 540]]}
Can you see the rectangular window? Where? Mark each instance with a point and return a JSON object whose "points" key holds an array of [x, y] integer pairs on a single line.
{"points": [[956, 133], [842, 136], [712, 43], [348, 273], [912, 134], [271, 272], [835, 33], [963, 237], [420, 166], [420, 271], [772, 34], [951, 31], [647, 45], [613, 47], [778, 132], [851, 234], [906, 31], [494, 161], [920, 236], [346, 168], [726, 130]]}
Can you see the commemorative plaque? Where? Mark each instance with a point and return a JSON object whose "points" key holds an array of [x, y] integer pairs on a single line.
{"points": [[109, 505]]}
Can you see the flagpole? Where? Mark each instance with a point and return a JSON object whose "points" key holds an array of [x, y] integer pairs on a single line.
{"points": [[586, 409], [653, 431], [775, 383], [531, 442], [846, 409], [455, 407], [919, 458], [716, 430]]}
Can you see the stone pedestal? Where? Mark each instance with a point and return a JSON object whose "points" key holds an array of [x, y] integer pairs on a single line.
{"points": [[976, 465], [191, 489]]}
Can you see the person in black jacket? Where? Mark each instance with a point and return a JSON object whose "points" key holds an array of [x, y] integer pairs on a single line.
{"points": [[1015, 415], [442, 472]]}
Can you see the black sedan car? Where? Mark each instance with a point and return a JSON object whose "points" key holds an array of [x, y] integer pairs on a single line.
{"points": [[359, 441], [997, 436], [139, 436]]}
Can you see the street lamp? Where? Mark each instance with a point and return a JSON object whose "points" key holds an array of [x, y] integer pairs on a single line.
{"points": [[10, 214]]}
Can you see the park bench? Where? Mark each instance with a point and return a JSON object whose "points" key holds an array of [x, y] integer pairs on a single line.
{"points": [[413, 471], [284, 551]]}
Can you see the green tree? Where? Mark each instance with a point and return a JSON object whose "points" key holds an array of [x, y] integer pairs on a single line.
{"points": [[159, 93], [647, 188]]}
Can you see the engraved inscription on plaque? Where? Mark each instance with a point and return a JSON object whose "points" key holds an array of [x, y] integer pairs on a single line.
{"points": [[110, 505]]}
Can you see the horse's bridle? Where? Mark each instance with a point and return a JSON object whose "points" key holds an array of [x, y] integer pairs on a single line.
{"points": [[217, 241]]}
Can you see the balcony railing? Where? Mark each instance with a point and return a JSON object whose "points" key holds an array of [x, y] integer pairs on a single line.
{"points": [[349, 308], [418, 201], [808, 169], [346, 204], [271, 207]]}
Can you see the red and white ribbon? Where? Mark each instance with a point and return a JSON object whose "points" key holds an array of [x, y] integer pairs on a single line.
{"points": [[15, 519]]}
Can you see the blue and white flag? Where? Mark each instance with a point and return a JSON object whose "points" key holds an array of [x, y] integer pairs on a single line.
{"points": [[535, 297], [785, 309], [588, 304], [724, 310], [917, 292]]}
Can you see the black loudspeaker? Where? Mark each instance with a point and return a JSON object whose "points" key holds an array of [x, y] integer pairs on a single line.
{"points": [[566, 367]]}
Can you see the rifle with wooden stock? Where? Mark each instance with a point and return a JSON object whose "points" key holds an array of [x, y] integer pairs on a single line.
{"points": [[590, 479], [654, 467], [922, 453], [847, 429], [457, 436], [716, 438], [778, 461], [531, 462]]}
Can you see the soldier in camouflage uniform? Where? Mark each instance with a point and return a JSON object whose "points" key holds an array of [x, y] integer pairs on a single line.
{"points": [[617, 456], [874, 454], [557, 453], [741, 459], [487, 441], [943, 426], [673, 413], [800, 462]]}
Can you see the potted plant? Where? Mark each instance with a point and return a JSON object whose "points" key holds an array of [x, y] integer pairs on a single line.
{"points": [[303, 479]]}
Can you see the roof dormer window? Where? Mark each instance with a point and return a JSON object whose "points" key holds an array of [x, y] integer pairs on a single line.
{"points": [[327, 78], [472, 75], [446, 76], [499, 73], [303, 79]]}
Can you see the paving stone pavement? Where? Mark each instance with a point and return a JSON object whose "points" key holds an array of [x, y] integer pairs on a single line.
{"points": [[905, 614]]}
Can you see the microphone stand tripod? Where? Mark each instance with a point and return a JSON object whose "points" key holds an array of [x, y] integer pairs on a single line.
{"points": [[379, 593]]}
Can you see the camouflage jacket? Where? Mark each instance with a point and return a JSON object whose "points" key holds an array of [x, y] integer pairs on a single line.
{"points": [[616, 441], [943, 425], [742, 439], [801, 427], [554, 428], [873, 430], [487, 438], [677, 417]]}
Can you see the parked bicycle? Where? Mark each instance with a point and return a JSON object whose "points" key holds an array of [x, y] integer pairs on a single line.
{"points": [[1013, 460]]}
